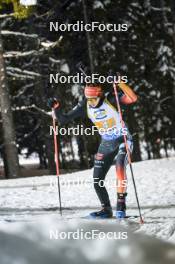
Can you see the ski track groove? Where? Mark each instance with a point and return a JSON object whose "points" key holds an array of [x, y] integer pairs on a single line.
{"points": [[74, 208]]}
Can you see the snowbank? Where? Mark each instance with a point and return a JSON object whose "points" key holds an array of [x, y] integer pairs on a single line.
{"points": [[31, 243]]}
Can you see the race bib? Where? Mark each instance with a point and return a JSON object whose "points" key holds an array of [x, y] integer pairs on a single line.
{"points": [[108, 123]]}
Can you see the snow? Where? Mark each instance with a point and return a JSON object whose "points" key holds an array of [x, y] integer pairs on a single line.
{"points": [[65, 68], [33, 160], [31, 199], [7, 32], [98, 4], [28, 2], [31, 243]]}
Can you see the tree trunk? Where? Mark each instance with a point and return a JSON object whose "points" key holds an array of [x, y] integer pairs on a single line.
{"points": [[89, 41], [173, 91], [10, 150]]}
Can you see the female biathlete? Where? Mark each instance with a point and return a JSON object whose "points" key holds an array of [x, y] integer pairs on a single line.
{"points": [[102, 111]]}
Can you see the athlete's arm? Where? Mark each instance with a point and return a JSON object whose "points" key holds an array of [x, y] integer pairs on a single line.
{"points": [[125, 95], [78, 111], [128, 97]]}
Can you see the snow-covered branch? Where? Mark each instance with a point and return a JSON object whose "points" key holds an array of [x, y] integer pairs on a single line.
{"points": [[6, 15], [24, 89], [46, 46], [12, 54], [22, 74], [50, 44], [27, 108], [165, 9], [30, 133], [33, 106], [18, 70], [21, 34], [54, 60]]}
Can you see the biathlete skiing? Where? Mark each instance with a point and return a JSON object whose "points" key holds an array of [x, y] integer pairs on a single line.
{"points": [[102, 111]]}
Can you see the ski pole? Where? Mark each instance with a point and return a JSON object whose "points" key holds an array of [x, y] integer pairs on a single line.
{"points": [[57, 163], [80, 67], [128, 152]]}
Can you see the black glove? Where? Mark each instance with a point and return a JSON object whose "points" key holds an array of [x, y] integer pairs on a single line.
{"points": [[53, 103]]}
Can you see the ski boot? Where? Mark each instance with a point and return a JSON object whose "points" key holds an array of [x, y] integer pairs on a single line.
{"points": [[105, 212], [121, 206]]}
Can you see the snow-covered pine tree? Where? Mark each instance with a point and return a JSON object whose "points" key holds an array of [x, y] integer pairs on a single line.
{"points": [[10, 152]]}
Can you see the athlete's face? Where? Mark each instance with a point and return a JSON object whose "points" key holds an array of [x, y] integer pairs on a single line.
{"points": [[93, 101]]}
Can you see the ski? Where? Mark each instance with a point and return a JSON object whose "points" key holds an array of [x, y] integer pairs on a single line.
{"points": [[128, 217]]}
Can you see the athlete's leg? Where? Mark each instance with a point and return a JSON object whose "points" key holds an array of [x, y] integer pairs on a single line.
{"points": [[121, 162], [102, 163]]}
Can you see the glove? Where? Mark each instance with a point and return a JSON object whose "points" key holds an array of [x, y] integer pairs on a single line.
{"points": [[53, 103]]}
